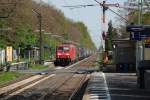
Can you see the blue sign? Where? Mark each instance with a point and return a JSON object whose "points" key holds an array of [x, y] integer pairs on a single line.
{"points": [[135, 28], [139, 35], [135, 36], [138, 28]]}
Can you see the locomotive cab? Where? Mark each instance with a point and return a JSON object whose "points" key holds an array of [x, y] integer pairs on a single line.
{"points": [[65, 54]]}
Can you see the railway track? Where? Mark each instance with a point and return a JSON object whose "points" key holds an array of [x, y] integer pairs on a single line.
{"points": [[48, 87], [67, 89], [18, 87]]}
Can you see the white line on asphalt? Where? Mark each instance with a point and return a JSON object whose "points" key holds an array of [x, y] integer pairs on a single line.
{"points": [[106, 86], [59, 67], [29, 86]]}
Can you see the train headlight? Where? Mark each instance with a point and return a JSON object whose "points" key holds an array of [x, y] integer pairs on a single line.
{"points": [[67, 54], [59, 54]]}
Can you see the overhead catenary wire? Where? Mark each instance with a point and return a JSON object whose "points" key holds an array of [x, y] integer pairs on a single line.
{"points": [[81, 6], [66, 2], [119, 15], [74, 12], [103, 6], [112, 11], [90, 5]]}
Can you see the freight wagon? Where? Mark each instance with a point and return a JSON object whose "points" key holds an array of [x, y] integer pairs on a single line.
{"points": [[124, 54]]}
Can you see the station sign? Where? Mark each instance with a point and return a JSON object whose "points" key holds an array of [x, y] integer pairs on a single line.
{"points": [[135, 28], [138, 32], [138, 28]]}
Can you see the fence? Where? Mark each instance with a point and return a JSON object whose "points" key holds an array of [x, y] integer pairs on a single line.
{"points": [[19, 66]]}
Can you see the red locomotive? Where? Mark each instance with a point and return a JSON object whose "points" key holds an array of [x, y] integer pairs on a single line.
{"points": [[66, 54]]}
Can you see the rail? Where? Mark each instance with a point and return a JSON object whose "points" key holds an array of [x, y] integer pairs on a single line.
{"points": [[82, 82], [56, 87]]}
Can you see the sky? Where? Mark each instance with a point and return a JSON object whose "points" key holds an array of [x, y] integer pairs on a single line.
{"points": [[90, 16]]}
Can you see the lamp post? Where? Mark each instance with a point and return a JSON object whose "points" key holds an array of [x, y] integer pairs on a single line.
{"points": [[39, 16]]}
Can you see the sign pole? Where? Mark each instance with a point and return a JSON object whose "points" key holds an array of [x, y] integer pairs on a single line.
{"points": [[139, 44]]}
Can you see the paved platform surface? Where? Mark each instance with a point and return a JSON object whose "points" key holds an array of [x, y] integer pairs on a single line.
{"points": [[115, 86], [123, 86]]}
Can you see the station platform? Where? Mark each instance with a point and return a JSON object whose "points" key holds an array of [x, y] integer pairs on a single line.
{"points": [[97, 88], [115, 86]]}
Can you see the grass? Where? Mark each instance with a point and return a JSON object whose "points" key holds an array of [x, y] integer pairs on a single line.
{"points": [[8, 76], [37, 66]]}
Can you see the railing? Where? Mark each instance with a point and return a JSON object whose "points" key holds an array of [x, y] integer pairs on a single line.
{"points": [[19, 66]]}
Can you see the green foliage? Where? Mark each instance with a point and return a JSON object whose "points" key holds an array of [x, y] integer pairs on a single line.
{"points": [[23, 22], [85, 38], [24, 37], [2, 43], [8, 76], [109, 37], [51, 42], [2, 40], [3, 23], [38, 66], [66, 36], [145, 17]]}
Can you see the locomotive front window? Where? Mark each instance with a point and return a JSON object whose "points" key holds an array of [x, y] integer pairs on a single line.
{"points": [[66, 49], [60, 48], [63, 48]]}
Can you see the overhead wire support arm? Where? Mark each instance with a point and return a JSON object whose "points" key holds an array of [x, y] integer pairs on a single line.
{"points": [[105, 7]]}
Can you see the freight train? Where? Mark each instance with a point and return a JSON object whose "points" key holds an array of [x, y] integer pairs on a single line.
{"points": [[68, 53]]}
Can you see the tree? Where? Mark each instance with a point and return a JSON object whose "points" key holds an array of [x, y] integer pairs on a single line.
{"points": [[23, 23], [110, 35]]}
